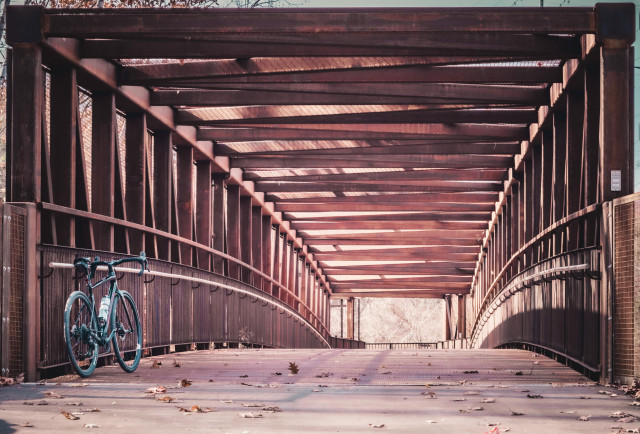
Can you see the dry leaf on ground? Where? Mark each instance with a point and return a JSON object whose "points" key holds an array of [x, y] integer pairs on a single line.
{"points": [[157, 389], [166, 399], [516, 413], [91, 425], [272, 409], [176, 364], [250, 415], [26, 425], [293, 367], [470, 372], [69, 415], [429, 395], [185, 383], [53, 395], [155, 364], [488, 400], [532, 396], [584, 418]]}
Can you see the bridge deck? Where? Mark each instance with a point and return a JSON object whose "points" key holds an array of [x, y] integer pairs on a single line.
{"points": [[335, 390]]}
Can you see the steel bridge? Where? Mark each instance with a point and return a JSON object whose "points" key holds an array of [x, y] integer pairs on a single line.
{"points": [[270, 160]]}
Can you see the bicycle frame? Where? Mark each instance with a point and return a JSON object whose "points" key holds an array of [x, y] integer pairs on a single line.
{"points": [[113, 291]]}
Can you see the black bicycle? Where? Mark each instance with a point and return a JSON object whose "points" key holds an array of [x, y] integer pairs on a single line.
{"points": [[115, 323]]}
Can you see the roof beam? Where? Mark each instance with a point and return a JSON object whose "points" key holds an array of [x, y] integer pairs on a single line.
{"points": [[418, 216], [225, 46], [360, 93], [491, 148], [386, 225], [391, 198], [230, 71], [185, 22], [421, 175], [202, 117], [379, 205]]}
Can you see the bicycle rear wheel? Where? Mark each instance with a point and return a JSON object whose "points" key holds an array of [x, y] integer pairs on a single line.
{"points": [[79, 322], [127, 340]]}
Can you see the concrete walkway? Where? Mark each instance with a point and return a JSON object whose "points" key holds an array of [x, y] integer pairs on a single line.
{"points": [[254, 391]]}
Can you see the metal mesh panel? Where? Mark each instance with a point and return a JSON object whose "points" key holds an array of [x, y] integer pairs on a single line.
{"points": [[16, 225], [627, 288]]}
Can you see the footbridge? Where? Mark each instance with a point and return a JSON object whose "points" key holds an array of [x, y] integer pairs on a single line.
{"points": [[271, 160]]}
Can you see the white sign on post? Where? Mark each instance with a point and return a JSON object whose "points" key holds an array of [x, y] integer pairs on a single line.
{"points": [[616, 180]]}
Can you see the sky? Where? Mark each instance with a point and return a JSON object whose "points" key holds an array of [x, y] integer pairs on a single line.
{"points": [[507, 3]]}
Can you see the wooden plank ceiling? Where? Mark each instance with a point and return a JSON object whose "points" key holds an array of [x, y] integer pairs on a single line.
{"points": [[383, 135]]}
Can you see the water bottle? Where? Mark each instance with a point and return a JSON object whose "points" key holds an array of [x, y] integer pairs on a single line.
{"points": [[104, 309]]}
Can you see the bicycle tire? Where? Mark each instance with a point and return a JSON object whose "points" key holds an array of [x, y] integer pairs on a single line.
{"points": [[127, 339], [79, 321]]}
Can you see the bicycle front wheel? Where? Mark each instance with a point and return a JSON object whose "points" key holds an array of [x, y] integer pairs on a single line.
{"points": [[127, 340], [79, 324]]}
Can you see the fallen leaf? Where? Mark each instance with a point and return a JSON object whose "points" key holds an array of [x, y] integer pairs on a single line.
{"points": [[176, 364], [618, 414], [250, 415], [627, 419], [253, 405], [516, 413], [471, 393], [157, 389], [166, 399], [568, 412], [155, 364], [26, 425], [75, 404], [69, 415], [293, 367], [458, 399], [210, 380], [488, 400], [463, 411], [185, 383], [322, 375], [534, 396], [53, 395], [519, 373], [386, 373], [476, 408], [378, 426], [635, 403], [93, 410], [91, 425], [277, 373], [584, 397], [429, 395], [272, 409], [584, 418], [79, 385], [36, 402], [469, 372]]}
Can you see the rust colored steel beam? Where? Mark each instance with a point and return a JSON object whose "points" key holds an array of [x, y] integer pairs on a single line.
{"points": [[390, 293], [231, 71], [200, 117], [405, 255], [371, 148], [355, 93], [399, 270], [401, 280], [386, 225], [391, 198], [226, 46], [293, 187], [418, 216], [378, 206], [152, 22], [362, 132], [438, 237], [421, 175]]}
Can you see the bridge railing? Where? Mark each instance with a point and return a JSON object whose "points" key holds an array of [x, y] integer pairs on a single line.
{"points": [[547, 294], [183, 307]]}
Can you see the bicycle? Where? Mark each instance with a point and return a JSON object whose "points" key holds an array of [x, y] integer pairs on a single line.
{"points": [[116, 322]]}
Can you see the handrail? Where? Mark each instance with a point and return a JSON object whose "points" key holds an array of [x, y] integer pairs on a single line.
{"points": [[135, 226], [519, 284], [198, 280], [557, 225]]}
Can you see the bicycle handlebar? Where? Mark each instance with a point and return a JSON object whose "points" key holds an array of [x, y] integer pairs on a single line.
{"points": [[89, 266]]}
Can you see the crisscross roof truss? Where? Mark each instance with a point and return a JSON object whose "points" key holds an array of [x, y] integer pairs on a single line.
{"points": [[384, 136]]}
